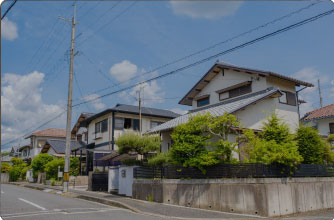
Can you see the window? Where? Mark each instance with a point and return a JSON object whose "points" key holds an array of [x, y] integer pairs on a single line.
{"points": [[223, 96], [101, 126], [126, 123], [331, 128], [288, 98], [136, 124], [204, 101], [240, 91], [119, 123], [155, 123]]}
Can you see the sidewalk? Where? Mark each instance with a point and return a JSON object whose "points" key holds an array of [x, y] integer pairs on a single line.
{"points": [[143, 207]]}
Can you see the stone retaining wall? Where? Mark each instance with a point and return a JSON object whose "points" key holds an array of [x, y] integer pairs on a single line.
{"points": [[263, 196]]}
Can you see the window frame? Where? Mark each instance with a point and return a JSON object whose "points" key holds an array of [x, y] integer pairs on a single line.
{"points": [[331, 128], [158, 123], [202, 99], [99, 128], [287, 98]]}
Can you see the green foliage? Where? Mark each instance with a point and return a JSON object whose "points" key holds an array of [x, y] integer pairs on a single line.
{"points": [[5, 167], [131, 142], [312, 148], [74, 166], [130, 162], [275, 145], [330, 140], [5, 153], [39, 162], [160, 159], [24, 172], [15, 173], [192, 146], [51, 168], [16, 161]]}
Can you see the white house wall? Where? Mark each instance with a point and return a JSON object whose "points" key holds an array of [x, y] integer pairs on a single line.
{"points": [[254, 116], [323, 126], [230, 78], [146, 125]]}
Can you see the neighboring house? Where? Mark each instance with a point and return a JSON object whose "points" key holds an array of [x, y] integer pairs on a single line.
{"points": [[56, 148], [251, 95], [105, 127], [39, 138], [25, 152], [15, 152], [6, 159], [78, 132], [322, 119]]}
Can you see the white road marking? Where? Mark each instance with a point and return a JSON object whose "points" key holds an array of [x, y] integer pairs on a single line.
{"points": [[2, 193], [33, 204]]}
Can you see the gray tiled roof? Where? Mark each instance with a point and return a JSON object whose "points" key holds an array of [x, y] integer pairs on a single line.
{"points": [[59, 145], [146, 111], [229, 106], [132, 109]]}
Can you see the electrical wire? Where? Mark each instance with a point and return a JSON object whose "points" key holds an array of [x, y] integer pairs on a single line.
{"points": [[8, 9], [213, 46], [282, 30]]}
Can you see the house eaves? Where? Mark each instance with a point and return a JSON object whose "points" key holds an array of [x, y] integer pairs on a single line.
{"points": [[218, 66]]}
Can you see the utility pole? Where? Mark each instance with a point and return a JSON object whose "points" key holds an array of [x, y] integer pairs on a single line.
{"points": [[69, 107], [320, 96], [139, 103]]}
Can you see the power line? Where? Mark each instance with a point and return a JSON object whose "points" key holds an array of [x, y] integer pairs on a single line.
{"points": [[215, 45], [282, 30], [8, 9], [112, 20], [40, 126]]}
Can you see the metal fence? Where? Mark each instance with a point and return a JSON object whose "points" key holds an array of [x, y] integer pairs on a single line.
{"points": [[100, 182], [234, 171]]}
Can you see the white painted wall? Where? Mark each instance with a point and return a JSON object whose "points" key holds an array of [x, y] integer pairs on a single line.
{"points": [[323, 126], [113, 179], [37, 144], [146, 125], [166, 141], [125, 180], [230, 78]]}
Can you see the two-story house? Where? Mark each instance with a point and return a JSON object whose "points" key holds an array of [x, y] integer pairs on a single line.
{"points": [[105, 127], [39, 138], [251, 95], [322, 119]]}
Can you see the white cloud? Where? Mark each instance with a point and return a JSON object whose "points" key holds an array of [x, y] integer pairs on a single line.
{"points": [[123, 71], [179, 111], [151, 93], [8, 30], [95, 101], [205, 9], [23, 107]]}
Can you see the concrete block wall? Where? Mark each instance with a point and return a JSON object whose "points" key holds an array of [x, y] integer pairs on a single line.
{"points": [[264, 196]]}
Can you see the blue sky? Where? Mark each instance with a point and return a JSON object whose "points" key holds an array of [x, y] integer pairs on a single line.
{"points": [[119, 40]]}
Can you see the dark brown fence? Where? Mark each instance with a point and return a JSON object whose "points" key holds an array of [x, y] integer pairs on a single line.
{"points": [[100, 182], [234, 171]]}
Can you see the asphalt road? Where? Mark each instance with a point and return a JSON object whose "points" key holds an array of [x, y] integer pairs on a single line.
{"points": [[22, 203]]}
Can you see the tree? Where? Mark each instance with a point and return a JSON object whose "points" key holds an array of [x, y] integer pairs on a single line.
{"points": [[160, 159], [39, 162], [5, 153], [274, 145], [5, 167], [51, 168], [131, 142], [17, 161], [311, 147], [193, 145]]}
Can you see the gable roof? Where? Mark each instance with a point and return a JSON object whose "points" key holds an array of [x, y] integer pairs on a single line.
{"points": [[132, 109], [229, 106], [82, 117], [215, 69], [60, 145], [49, 132], [320, 113]]}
